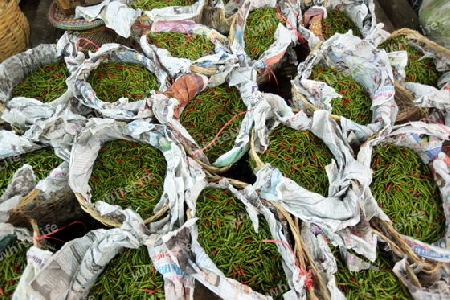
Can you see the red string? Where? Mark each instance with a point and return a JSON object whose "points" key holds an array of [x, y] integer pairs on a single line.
{"points": [[142, 26], [189, 36], [271, 73], [196, 153], [308, 281], [48, 235], [299, 36], [88, 42]]}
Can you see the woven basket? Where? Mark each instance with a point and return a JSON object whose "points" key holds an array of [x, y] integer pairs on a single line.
{"points": [[59, 210], [420, 40], [14, 29], [59, 20], [301, 250], [408, 111]]}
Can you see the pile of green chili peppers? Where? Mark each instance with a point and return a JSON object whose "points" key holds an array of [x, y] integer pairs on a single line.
{"points": [[405, 189], [226, 234], [45, 84], [355, 103], [114, 80], [151, 4], [43, 161], [370, 284], [130, 175], [190, 46], [338, 22], [129, 275], [300, 156], [259, 31], [13, 262], [208, 112], [418, 69]]}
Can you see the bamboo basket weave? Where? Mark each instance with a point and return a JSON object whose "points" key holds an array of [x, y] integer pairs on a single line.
{"points": [[14, 29]]}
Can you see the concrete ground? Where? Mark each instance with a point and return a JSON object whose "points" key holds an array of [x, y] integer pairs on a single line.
{"points": [[42, 31]]}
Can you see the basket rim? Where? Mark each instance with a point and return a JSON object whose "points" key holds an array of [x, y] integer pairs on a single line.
{"points": [[59, 20], [88, 208]]}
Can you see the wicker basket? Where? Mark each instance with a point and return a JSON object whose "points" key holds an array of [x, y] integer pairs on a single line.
{"points": [[14, 29]]}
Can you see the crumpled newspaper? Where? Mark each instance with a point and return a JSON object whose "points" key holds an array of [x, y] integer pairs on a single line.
{"points": [[116, 14], [172, 13], [122, 108], [54, 276], [367, 65], [178, 180], [216, 66], [14, 144], [14, 69], [71, 272], [21, 184], [283, 37], [362, 13], [429, 96], [426, 139], [339, 214]]}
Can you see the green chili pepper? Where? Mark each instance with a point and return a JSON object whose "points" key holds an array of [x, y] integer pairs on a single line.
{"points": [[151, 4], [300, 156], [406, 191], [338, 21], [370, 284], [129, 275], [418, 69], [259, 30], [114, 80], [13, 262], [208, 112], [356, 102], [190, 46], [130, 175], [45, 84], [42, 161], [226, 233]]}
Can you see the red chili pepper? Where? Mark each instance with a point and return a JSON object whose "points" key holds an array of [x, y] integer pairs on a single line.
{"points": [[147, 171], [241, 271], [2, 292], [234, 272], [387, 187], [148, 291]]}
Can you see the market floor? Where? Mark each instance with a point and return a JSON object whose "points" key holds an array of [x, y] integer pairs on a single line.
{"points": [[41, 30]]}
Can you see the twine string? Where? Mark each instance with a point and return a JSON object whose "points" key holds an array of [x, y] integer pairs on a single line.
{"points": [[309, 280], [198, 152], [48, 235]]}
